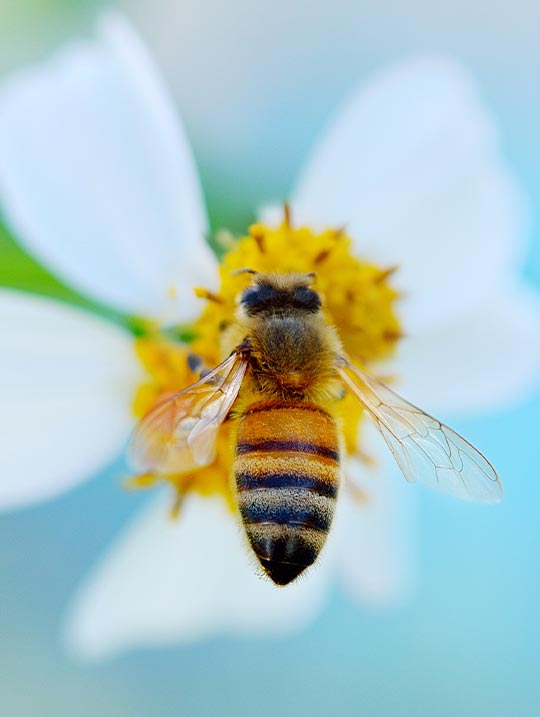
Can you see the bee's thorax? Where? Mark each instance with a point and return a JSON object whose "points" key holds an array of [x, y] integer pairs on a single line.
{"points": [[290, 355]]}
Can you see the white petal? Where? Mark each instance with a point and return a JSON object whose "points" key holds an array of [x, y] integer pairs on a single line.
{"points": [[169, 581], [489, 358], [411, 165], [271, 214], [66, 380], [97, 178], [377, 538]]}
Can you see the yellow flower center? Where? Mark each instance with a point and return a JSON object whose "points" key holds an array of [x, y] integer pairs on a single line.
{"points": [[357, 299]]}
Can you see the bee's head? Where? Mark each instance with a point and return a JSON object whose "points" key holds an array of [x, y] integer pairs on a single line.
{"points": [[274, 293]]}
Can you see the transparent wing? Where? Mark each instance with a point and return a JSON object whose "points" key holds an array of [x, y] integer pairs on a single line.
{"points": [[179, 433], [425, 449]]}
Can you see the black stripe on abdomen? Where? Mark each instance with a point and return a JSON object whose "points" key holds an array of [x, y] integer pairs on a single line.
{"points": [[269, 406], [288, 446], [249, 481], [287, 506]]}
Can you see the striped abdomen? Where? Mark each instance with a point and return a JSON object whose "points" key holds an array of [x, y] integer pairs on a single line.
{"points": [[287, 476]]}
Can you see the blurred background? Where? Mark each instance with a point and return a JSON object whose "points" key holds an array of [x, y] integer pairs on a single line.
{"points": [[255, 83]]}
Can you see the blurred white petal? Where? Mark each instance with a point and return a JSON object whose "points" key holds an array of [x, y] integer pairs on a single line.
{"points": [[97, 178], [66, 380], [411, 166], [272, 215], [167, 581], [489, 357], [377, 537]]}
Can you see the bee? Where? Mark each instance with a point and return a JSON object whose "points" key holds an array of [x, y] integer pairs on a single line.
{"points": [[281, 384]]}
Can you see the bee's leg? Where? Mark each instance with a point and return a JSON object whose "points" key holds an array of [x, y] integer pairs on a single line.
{"points": [[365, 458], [358, 494]]}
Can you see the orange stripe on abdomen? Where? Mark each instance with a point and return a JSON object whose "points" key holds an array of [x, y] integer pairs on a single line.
{"points": [[287, 476]]}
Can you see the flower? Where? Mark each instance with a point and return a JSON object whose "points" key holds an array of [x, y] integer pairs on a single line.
{"points": [[97, 179]]}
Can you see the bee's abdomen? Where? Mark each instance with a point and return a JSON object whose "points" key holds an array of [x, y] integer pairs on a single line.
{"points": [[287, 477]]}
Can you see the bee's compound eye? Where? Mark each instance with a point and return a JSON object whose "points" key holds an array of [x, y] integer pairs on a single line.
{"points": [[257, 298], [307, 299], [249, 297]]}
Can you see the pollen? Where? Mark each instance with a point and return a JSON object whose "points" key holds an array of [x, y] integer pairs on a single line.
{"points": [[357, 298], [168, 365]]}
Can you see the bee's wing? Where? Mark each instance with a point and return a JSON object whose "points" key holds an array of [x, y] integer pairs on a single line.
{"points": [[425, 449], [179, 433]]}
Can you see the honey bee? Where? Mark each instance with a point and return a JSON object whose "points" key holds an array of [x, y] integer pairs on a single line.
{"points": [[281, 384]]}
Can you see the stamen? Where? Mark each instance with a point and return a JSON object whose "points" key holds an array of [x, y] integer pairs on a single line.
{"points": [[257, 233], [177, 504], [201, 293], [245, 270], [287, 214], [393, 334], [145, 480], [384, 274], [340, 231], [322, 255]]}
